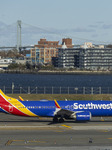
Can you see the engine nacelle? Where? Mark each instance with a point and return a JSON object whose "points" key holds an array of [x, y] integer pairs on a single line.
{"points": [[82, 116]]}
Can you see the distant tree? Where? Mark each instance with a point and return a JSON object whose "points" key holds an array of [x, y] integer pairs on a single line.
{"points": [[28, 65], [16, 66], [13, 66]]}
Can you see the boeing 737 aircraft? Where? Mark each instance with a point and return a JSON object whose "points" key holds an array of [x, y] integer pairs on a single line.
{"points": [[58, 110]]}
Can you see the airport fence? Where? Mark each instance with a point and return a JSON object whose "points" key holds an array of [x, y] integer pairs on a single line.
{"points": [[56, 90]]}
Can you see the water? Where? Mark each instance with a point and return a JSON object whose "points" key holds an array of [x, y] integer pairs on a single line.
{"points": [[55, 80]]}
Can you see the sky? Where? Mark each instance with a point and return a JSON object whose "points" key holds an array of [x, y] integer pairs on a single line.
{"points": [[82, 20]]}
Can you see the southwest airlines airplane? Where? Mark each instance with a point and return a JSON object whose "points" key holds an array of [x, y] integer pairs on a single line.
{"points": [[58, 110]]}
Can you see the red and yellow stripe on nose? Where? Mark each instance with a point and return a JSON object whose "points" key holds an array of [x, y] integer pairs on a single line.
{"points": [[14, 106]]}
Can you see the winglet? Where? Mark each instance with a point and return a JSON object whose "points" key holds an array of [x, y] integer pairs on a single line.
{"points": [[56, 104], [21, 98]]}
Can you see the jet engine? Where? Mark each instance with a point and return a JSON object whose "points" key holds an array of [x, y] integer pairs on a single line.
{"points": [[82, 116]]}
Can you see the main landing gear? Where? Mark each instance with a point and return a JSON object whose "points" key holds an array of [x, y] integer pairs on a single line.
{"points": [[58, 120]]}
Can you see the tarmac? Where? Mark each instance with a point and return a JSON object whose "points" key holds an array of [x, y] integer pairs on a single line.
{"points": [[40, 133]]}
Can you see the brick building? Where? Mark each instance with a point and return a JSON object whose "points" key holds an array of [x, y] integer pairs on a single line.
{"points": [[44, 51], [68, 42], [43, 43]]}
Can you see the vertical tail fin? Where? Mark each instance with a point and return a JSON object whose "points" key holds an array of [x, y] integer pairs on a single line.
{"points": [[3, 96]]}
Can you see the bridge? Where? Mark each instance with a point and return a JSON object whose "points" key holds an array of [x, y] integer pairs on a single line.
{"points": [[15, 47], [24, 36]]}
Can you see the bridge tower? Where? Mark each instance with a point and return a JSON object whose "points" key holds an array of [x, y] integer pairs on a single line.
{"points": [[19, 36]]}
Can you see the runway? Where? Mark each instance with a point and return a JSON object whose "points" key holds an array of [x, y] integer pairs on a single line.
{"points": [[33, 133]]}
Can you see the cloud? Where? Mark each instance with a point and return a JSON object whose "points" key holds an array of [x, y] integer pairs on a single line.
{"points": [[99, 22], [107, 26], [93, 26], [77, 29], [94, 35], [82, 30]]}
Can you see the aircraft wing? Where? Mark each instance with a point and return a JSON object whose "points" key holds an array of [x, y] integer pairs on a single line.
{"points": [[68, 114], [62, 112], [65, 113]]}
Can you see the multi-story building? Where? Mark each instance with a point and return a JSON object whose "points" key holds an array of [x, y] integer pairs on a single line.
{"points": [[35, 55], [85, 58], [44, 51], [43, 43], [68, 57], [68, 42], [95, 58]]}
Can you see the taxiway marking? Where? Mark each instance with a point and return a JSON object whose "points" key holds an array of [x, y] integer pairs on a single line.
{"points": [[66, 126]]}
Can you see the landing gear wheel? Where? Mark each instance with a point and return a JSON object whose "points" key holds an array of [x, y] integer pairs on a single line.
{"points": [[55, 120], [61, 120]]}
